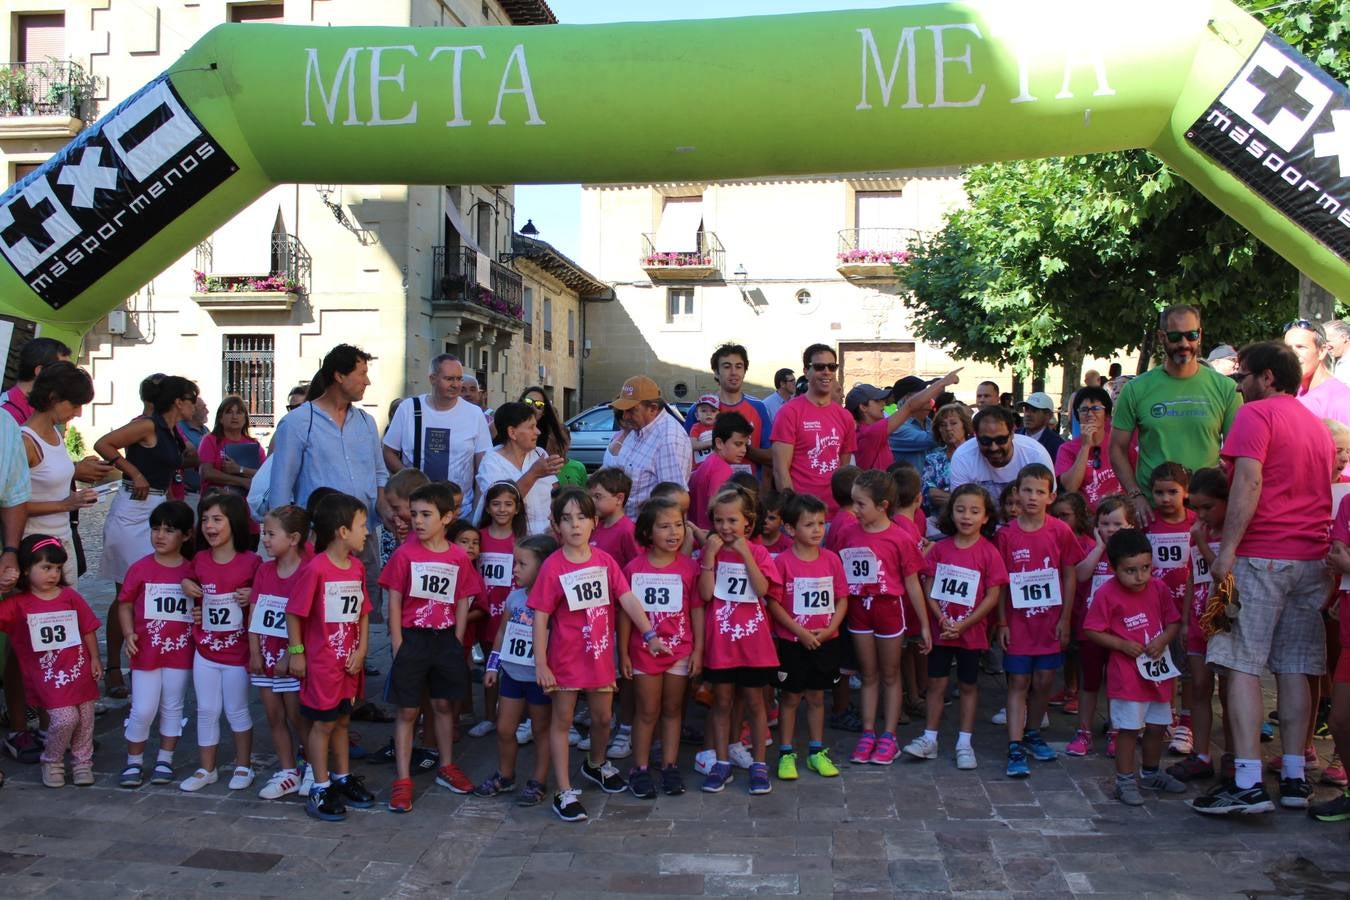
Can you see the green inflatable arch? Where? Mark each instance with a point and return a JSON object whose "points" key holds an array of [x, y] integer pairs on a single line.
{"points": [[1258, 128]]}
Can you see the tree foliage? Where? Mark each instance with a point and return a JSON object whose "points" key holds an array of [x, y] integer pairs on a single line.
{"points": [[1060, 257]]}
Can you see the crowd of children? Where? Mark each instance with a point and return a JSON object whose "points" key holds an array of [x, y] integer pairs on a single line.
{"points": [[757, 598]]}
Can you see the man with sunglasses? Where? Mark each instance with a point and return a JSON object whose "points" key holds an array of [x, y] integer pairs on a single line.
{"points": [[994, 456], [1180, 410], [813, 435], [1326, 396]]}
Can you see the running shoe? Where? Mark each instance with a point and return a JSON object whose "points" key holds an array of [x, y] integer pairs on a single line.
{"points": [[532, 794], [401, 795], [494, 786], [787, 766], [1191, 768], [672, 782], [605, 775], [1182, 742], [1127, 792], [820, 763], [1334, 773], [718, 777], [641, 784], [567, 804], [740, 756], [325, 804], [621, 743], [352, 790], [704, 760], [886, 752], [862, 753], [1295, 793], [921, 748], [1227, 799], [1018, 767], [482, 729], [1081, 745], [965, 758], [1039, 749], [524, 733], [759, 779], [282, 782], [1337, 809], [1162, 782], [452, 778]]}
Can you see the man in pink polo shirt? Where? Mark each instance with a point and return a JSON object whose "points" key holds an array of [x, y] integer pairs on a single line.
{"points": [[812, 434]]}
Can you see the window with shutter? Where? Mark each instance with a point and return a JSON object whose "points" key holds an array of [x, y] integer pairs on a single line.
{"points": [[42, 36]]}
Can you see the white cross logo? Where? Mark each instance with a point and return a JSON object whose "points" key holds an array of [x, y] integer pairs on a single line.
{"points": [[1337, 141], [88, 177]]}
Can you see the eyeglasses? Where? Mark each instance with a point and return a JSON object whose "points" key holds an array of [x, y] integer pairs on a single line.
{"points": [[991, 440], [537, 404], [825, 367], [1095, 408], [1239, 376], [1174, 337]]}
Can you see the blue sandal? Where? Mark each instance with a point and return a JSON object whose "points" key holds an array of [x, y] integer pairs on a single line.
{"points": [[133, 776], [162, 773]]}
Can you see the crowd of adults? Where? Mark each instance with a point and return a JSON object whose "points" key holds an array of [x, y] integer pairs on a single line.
{"points": [[1257, 411]]}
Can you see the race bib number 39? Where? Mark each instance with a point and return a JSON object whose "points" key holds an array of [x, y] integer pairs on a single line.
{"points": [[733, 584], [860, 565], [659, 593], [956, 584], [341, 601], [495, 569], [518, 644], [166, 603], [54, 630], [813, 596], [221, 612], [433, 581], [586, 588], [269, 616], [1170, 551], [1036, 589]]}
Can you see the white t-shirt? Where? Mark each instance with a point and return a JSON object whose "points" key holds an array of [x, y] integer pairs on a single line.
{"points": [[969, 465], [450, 440], [496, 467]]}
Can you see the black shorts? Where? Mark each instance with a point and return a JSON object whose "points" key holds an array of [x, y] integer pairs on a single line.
{"points": [[801, 670], [967, 663], [326, 715], [743, 676], [848, 654], [430, 660]]}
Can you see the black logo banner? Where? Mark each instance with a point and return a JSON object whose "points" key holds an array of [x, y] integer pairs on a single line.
{"points": [[1282, 127], [114, 186]]}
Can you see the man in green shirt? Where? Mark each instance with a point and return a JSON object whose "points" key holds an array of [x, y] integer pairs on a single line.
{"points": [[1181, 410]]}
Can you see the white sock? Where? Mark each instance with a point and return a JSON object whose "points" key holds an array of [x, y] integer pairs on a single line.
{"points": [[1292, 766], [135, 759], [930, 735], [1248, 773], [165, 756], [321, 785], [963, 741], [1203, 757]]}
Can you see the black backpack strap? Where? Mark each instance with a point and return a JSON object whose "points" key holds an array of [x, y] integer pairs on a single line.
{"points": [[417, 432]]}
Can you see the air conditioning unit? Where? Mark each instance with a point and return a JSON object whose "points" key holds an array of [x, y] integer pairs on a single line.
{"points": [[117, 321]]}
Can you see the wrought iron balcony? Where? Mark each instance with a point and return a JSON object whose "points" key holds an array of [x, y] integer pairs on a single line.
{"points": [[50, 88], [290, 277], [871, 254], [454, 279], [697, 264]]}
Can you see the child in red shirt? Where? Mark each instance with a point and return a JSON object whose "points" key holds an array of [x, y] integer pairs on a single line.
{"points": [[53, 632], [327, 622], [730, 442], [773, 535], [502, 523], [807, 616], [156, 618], [1170, 535], [1133, 616], [609, 489], [964, 577], [841, 490]]}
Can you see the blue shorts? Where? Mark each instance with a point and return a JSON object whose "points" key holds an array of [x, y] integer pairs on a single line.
{"points": [[1017, 664], [529, 691]]}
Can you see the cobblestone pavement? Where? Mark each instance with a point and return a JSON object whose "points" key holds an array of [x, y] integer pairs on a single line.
{"points": [[910, 829]]}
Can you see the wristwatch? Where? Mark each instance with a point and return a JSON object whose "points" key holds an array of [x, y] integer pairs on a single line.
{"points": [[11, 549]]}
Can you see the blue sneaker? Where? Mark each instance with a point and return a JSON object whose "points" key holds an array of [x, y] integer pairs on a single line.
{"points": [[759, 778], [1039, 748], [1267, 732], [718, 777], [1017, 762], [326, 804]]}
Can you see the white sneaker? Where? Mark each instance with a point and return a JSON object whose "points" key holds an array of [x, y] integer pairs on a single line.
{"points": [[582, 717], [198, 780], [1182, 742], [524, 733], [740, 755], [965, 758], [482, 729], [1045, 719], [921, 748], [621, 743], [1000, 717], [704, 760], [854, 683], [574, 737], [283, 782], [583, 743], [242, 779], [306, 781]]}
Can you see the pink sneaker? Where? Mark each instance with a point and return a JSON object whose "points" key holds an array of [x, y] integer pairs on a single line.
{"points": [[1081, 745], [1111, 744], [863, 752], [885, 752]]}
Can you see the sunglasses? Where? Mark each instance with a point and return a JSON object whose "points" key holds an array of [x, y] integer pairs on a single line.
{"points": [[1302, 323], [1239, 377], [825, 367], [994, 440], [1174, 337], [537, 404]]}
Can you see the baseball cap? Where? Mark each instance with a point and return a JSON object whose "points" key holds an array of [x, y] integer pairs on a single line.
{"points": [[910, 384], [862, 393], [711, 400], [634, 391], [1039, 400], [1223, 351]]}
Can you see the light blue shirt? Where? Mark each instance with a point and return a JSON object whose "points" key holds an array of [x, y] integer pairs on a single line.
{"points": [[912, 441], [16, 489], [310, 451]]}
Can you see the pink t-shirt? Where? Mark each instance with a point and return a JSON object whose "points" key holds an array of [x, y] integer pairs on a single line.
{"points": [[267, 618], [1082, 598], [1329, 400], [57, 677], [496, 557], [1172, 554], [618, 540], [820, 436], [222, 637], [161, 614], [876, 562], [916, 527], [782, 545], [1036, 561], [1099, 478], [704, 482], [431, 584], [874, 447], [1293, 516], [838, 526], [959, 580], [331, 601], [667, 595], [1138, 617], [736, 625], [580, 599], [804, 584]]}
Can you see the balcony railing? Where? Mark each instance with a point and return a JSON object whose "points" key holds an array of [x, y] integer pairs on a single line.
{"points": [[871, 254], [454, 279], [701, 262], [291, 271], [51, 88]]}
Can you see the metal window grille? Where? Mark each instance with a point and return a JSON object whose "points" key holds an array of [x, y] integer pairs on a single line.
{"points": [[249, 362]]}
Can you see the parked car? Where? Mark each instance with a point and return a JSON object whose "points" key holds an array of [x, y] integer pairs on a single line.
{"points": [[592, 429]]}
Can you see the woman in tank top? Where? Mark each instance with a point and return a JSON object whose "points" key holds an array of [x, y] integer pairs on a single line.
{"points": [[154, 452]]}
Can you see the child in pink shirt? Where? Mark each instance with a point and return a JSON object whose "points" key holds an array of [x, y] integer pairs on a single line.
{"points": [[609, 489], [730, 441], [1170, 535]]}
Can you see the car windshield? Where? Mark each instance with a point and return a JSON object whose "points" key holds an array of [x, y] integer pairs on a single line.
{"points": [[601, 419]]}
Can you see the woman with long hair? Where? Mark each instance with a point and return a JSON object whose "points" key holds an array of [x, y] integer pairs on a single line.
{"points": [[229, 455], [553, 438]]}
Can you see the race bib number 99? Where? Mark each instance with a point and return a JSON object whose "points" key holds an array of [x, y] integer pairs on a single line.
{"points": [[1035, 590], [166, 603], [1170, 551], [586, 588], [341, 602], [221, 612], [659, 593], [54, 630], [956, 584], [269, 616]]}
